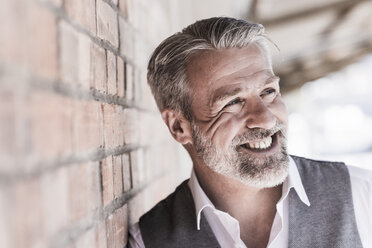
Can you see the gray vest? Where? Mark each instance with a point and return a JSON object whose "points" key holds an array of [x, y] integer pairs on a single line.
{"points": [[328, 222]]}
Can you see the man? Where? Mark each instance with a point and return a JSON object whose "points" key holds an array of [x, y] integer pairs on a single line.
{"points": [[217, 93]]}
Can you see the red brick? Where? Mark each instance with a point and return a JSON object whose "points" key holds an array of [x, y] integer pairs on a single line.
{"points": [[49, 117], [107, 23], [107, 180], [42, 50], [87, 125], [84, 60], [27, 228], [129, 82], [111, 74], [138, 168], [55, 197], [100, 235], [126, 39], [113, 125], [118, 176], [122, 231], [69, 50], [131, 126], [98, 61], [117, 228], [119, 123], [127, 181], [110, 231], [108, 120], [94, 186], [121, 77], [82, 12], [13, 26], [78, 191], [123, 8], [20, 20]]}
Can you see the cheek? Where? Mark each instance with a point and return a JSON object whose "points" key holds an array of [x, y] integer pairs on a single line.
{"points": [[279, 109], [223, 131]]}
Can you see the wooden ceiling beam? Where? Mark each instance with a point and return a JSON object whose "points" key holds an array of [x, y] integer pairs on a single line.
{"points": [[272, 22], [301, 74]]}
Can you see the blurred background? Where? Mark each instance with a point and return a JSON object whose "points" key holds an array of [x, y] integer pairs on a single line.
{"points": [[83, 150]]}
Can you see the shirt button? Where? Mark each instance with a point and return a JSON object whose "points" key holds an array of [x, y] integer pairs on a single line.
{"points": [[237, 246]]}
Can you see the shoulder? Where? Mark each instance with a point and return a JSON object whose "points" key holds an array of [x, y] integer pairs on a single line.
{"points": [[321, 172], [360, 175], [168, 222], [314, 162], [361, 185], [164, 208]]}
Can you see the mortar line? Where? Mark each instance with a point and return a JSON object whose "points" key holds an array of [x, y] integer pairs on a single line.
{"points": [[60, 13], [71, 90], [70, 234], [43, 167]]}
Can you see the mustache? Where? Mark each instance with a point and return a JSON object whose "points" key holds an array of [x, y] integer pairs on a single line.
{"points": [[258, 133]]}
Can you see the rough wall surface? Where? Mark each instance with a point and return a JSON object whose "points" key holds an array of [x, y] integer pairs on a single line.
{"points": [[83, 151]]}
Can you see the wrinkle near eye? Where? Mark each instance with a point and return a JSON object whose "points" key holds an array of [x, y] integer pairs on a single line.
{"points": [[213, 124]]}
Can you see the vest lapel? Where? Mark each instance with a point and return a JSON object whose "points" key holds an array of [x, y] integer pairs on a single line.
{"points": [[172, 223]]}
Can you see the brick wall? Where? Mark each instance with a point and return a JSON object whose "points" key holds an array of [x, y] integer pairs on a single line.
{"points": [[83, 150]]}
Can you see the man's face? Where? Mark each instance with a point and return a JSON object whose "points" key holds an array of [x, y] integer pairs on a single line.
{"points": [[240, 121]]}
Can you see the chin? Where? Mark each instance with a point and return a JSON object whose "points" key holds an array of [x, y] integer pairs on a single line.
{"points": [[266, 172], [266, 180]]}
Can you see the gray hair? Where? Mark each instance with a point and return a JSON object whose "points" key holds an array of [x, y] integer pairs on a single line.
{"points": [[166, 73]]}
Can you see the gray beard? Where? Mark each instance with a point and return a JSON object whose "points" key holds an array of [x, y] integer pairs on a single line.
{"points": [[253, 171]]}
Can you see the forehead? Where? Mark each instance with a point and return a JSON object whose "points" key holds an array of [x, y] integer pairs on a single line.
{"points": [[212, 69], [209, 67]]}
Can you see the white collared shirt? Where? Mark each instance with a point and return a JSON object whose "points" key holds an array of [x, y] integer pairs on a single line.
{"points": [[226, 228]]}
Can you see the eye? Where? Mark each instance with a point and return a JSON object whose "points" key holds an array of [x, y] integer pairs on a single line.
{"points": [[267, 92], [234, 102]]}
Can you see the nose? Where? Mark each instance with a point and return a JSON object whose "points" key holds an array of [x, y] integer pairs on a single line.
{"points": [[258, 115]]}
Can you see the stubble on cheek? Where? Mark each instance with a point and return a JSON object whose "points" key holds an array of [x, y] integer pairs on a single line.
{"points": [[222, 132], [253, 171]]}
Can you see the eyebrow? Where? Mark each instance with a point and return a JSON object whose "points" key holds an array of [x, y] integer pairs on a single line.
{"points": [[229, 93]]}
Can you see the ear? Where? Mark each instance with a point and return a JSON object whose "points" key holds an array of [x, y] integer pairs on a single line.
{"points": [[178, 126]]}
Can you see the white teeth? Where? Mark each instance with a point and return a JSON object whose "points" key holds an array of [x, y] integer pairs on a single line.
{"points": [[262, 144]]}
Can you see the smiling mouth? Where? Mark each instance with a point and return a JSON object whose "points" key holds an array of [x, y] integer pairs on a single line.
{"points": [[261, 145]]}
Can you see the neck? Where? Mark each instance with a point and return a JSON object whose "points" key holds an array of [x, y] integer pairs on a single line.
{"points": [[233, 196], [254, 208]]}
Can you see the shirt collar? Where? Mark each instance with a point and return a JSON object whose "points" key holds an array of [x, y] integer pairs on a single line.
{"points": [[202, 201], [294, 181]]}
